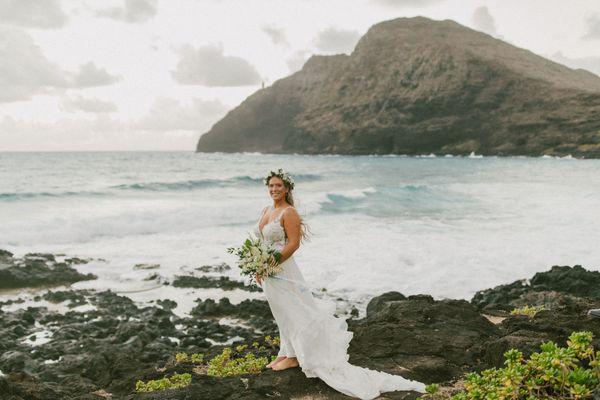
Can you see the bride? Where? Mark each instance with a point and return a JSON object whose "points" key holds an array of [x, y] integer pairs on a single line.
{"points": [[311, 336]]}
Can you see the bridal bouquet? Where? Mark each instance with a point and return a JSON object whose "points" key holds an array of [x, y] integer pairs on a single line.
{"points": [[257, 257]]}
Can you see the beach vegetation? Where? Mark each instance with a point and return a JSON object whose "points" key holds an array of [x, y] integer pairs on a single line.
{"points": [[529, 311], [225, 364], [196, 358], [176, 381], [571, 372]]}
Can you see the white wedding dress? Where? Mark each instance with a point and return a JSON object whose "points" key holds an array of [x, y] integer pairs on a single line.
{"points": [[309, 331]]}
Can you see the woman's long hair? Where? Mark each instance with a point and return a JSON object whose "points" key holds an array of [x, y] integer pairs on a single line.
{"points": [[304, 228]]}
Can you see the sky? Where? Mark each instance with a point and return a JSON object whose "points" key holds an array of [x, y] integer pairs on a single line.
{"points": [[123, 75]]}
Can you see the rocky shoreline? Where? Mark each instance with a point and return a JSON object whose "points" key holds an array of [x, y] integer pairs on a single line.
{"points": [[104, 343]]}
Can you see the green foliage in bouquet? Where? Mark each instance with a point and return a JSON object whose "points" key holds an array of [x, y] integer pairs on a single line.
{"points": [[530, 311], [176, 381], [553, 373]]}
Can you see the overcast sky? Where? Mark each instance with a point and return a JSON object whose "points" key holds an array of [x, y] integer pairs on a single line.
{"points": [[156, 74]]}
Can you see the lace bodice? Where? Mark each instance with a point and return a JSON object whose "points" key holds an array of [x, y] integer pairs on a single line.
{"points": [[272, 232]]}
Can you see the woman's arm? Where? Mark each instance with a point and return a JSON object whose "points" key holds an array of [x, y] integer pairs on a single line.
{"points": [[262, 215], [291, 225]]}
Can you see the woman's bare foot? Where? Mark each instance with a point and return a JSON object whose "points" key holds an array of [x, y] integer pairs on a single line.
{"points": [[275, 361], [289, 362]]}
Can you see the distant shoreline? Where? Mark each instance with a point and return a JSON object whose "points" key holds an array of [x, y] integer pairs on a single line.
{"points": [[391, 155]]}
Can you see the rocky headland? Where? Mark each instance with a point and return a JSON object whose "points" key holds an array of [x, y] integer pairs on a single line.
{"points": [[418, 86], [105, 343]]}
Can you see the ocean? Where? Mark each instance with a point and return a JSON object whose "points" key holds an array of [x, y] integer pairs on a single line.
{"points": [[444, 226]]}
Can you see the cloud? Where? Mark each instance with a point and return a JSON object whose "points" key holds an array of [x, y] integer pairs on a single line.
{"points": [[133, 11], [46, 14], [89, 105], [168, 114], [25, 71], [276, 34], [90, 76], [332, 40], [406, 3], [483, 21], [592, 23], [591, 64], [168, 125], [208, 66]]}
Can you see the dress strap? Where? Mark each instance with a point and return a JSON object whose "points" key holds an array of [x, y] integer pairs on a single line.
{"points": [[277, 218]]}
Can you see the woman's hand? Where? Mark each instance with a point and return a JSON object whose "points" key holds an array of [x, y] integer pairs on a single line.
{"points": [[272, 263]]}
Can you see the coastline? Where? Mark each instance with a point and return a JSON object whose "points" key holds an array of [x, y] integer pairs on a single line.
{"points": [[99, 343], [566, 156]]}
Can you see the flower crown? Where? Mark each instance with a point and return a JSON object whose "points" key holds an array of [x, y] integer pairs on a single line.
{"points": [[284, 176]]}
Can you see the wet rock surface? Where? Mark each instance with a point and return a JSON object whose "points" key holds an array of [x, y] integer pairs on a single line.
{"points": [[106, 347], [563, 286], [526, 334], [213, 268], [104, 342], [434, 340], [203, 282], [35, 269], [565, 293], [287, 384], [255, 312]]}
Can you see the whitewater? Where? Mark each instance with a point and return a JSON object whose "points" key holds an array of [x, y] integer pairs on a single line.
{"points": [[445, 226]]}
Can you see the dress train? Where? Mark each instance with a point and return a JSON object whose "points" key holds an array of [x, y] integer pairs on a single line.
{"points": [[309, 331]]}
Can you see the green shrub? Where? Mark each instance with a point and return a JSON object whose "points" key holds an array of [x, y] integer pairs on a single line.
{"points": [[530, 311], [181, 357], [432, 389], [553, 373], [228, 363], [273, 341], [174, 382], [224, 365], [197, 358]]}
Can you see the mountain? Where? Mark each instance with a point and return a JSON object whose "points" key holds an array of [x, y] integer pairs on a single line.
{"points": [[419, 86]]}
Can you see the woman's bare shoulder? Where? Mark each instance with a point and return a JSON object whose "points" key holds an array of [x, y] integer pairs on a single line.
{"points": [[290, 211]]}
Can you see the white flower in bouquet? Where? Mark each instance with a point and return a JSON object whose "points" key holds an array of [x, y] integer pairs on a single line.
{"points": [[256, 257]]}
